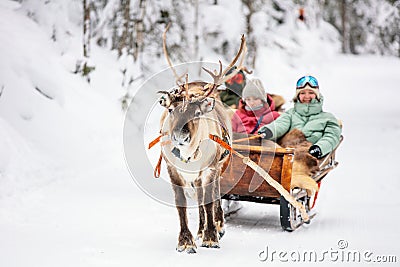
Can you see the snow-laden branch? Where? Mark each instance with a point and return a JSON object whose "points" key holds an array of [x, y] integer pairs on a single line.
{"points": [[109, 10]]}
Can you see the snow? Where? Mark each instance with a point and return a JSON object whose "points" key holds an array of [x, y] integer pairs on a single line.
{"points": [[67, 197]]}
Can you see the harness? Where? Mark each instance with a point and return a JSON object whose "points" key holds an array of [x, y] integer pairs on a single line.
{"points": [[177, 153], [226, 139]]}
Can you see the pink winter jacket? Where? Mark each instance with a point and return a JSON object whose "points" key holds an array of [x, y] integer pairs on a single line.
{"points": [[244, 121]]}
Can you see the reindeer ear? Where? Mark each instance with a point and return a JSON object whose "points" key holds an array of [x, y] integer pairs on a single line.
{"points": [[207, 104], [165, 100]]}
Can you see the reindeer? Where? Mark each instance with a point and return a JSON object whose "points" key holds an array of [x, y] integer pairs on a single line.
{"points": [[193, 164]]}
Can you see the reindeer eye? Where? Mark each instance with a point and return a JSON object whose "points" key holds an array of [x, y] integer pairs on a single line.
{"points": [[197, 113]]}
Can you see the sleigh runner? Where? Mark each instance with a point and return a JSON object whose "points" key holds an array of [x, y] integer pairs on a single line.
{"points": [[241, 183]]}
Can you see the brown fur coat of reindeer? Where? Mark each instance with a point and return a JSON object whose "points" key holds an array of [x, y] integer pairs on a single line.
{"points": [[191, 115]]}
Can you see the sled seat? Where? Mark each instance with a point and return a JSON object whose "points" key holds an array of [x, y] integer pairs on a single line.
{"points": [[240, 182]]}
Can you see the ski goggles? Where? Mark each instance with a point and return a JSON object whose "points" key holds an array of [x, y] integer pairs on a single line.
{"points": [[303, 81]]}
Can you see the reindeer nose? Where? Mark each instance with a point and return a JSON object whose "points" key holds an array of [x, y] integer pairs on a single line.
{"points": [[181, 138], [187, 139]]}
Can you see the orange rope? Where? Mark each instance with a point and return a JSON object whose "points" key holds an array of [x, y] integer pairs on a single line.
{"points": [[155, 141], [224, 145], [220, 141], [157, 170]]}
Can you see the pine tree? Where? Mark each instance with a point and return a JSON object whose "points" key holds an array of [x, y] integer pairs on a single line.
{"points": [[250, 9], [83, 66]]}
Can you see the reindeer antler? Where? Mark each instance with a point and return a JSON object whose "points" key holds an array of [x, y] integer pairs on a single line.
{"points": [[178, 78], [220, 77], [185, 91]]}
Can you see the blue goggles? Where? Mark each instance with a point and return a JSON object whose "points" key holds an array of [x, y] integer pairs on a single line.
{"points": [[302, 82]]}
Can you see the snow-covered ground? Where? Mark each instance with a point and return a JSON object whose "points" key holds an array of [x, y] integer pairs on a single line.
{"points": [[67, 197]]}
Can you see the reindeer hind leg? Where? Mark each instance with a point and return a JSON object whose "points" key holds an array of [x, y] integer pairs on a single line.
{"points": [[210, 239], [218, 212]]}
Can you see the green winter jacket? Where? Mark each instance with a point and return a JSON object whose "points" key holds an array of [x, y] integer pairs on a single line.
{"points": [[320, 128]]}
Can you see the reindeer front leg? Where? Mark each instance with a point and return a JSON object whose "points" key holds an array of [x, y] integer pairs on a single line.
{"points": [[210, 238], [200, 198], [185, 239], [218, 212]]}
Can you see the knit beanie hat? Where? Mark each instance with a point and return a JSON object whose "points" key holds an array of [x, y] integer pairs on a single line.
{"points": [[237, 82], [255, 89], [307, 83]]}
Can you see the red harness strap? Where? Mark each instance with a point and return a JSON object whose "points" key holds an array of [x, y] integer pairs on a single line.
{"points": [[157, 169]]}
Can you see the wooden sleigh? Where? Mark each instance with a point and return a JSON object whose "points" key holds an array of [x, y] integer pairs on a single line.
{"points": [[241, 183]]}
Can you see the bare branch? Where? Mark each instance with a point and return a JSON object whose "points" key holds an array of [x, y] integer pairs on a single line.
{"points": [[43, 93]]}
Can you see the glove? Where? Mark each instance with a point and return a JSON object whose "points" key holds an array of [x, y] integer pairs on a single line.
{"points": [[266, 132], [315, 151]]}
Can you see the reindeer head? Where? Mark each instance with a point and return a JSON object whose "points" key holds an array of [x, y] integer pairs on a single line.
{"points": [[184, 116], [189, 103]]}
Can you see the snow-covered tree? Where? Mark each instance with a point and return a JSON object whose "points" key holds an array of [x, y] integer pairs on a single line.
{"points": [[365, 26], [202, 29]]}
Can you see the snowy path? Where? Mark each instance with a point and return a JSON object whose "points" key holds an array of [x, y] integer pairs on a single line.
{"points": [[96, 216]]}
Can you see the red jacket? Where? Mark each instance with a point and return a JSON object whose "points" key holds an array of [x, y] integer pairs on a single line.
{"points": [[244, 121]]}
